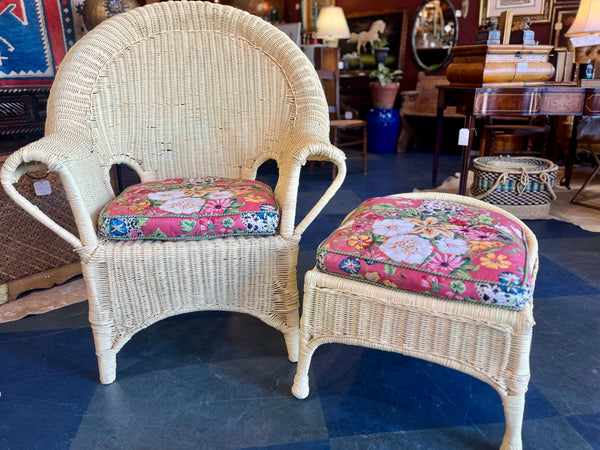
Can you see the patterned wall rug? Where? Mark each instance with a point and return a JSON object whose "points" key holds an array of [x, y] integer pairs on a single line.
{"points": [[34, 38]]}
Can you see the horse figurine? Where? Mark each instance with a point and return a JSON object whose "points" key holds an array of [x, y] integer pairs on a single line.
{"points": [[367, 37]]}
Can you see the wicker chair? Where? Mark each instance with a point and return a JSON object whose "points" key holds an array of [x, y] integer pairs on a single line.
{"points": [[182, 89], [489, 343]]}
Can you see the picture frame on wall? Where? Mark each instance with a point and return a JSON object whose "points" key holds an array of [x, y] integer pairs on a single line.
{"points": [[395, 30], [292, 30], [563, 15], [538, 11]]}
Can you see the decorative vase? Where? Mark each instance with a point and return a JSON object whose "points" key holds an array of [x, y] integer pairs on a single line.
{"points": [[384, 96], [381, 55], [95, 11], [383, 127]]}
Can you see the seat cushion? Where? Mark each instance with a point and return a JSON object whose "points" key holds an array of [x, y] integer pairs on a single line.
{"points": [[438, 248], [190, 208]]}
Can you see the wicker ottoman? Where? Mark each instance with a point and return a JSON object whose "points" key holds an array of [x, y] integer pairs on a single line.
{"points": [[480, 328]]}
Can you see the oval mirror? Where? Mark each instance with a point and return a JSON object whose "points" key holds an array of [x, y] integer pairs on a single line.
{"points": [[434, 33]]}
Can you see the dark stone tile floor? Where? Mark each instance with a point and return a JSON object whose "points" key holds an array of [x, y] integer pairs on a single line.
{"points": [[220, 380]]}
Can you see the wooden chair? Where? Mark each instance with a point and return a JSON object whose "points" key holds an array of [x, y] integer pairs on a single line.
{"points": [[345, 133], [588, 140], [514, 136], [182, 90]]}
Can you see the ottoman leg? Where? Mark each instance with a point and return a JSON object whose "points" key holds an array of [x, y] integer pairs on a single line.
{"points": [[514, 406], [300, 388]]}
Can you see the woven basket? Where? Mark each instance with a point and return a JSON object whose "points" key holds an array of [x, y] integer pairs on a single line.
{"points": [[31, 256], [522, 186]]}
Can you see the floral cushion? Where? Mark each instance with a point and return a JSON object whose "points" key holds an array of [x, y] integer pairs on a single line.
{"points": [[444, 249], [190, 208]]}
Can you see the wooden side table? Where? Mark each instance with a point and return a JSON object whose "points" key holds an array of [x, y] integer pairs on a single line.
{"points": [[546, 100]]}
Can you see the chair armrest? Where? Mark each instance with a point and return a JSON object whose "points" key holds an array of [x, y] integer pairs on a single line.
{"points": [[54, 153], [286, 190]]}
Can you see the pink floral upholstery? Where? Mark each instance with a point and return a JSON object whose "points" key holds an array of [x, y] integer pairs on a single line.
{"points": [[190, 208], [445, 249]]}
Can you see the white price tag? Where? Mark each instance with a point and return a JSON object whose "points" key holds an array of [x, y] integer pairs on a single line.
{"points": [[463, 136], [42, 188]]}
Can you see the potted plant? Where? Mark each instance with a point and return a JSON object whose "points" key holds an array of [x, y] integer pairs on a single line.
{"points": [[385, 89], [381, 49]]}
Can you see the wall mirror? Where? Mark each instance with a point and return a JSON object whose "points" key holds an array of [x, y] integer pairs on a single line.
{"points": [[434, 33]]}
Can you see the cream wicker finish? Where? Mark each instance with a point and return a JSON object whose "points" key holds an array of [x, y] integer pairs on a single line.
{"points": [[182, 89], [490, 343]]}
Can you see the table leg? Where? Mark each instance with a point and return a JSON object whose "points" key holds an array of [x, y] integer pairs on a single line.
{"points": [[466, 154], [438, 135], [566, 181]]}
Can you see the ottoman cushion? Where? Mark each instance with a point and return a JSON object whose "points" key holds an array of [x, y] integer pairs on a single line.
{"points": [[439, 248], [190, 208]]}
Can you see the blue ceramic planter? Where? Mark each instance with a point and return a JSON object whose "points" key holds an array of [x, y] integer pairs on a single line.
{"points": [[383, 127]]}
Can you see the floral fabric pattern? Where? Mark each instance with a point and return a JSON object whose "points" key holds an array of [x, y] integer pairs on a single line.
{"points": [[444, 249], [190, 208]]}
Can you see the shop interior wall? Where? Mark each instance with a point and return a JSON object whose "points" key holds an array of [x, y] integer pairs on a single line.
{"points": [[467, 27]]}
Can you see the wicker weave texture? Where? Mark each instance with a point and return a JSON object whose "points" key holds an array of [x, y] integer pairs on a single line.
{"points": [[491, 344], [182, 89]]}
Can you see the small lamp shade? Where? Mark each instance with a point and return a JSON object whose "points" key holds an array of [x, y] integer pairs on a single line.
{"points": [[587, 20], [332, 25]]}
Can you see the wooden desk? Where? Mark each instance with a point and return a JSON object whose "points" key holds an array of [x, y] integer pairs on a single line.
{"points": [[548, 100]]}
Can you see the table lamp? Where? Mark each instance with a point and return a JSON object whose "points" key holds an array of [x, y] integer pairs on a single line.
{"points": [[585, 32], [586, 27], [332, 25]]}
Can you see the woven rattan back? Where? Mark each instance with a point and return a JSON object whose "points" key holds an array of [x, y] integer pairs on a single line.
{"points": [[186, 89]]}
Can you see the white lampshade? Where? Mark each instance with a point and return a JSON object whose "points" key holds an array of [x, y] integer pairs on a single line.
{"points": [[587, 20], [332, 25]]}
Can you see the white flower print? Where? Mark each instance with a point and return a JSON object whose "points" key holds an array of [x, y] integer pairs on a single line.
{"points": [[220, 195], [408, 249], [186, 205], [166, 195], [392, 227], [453, 246]]}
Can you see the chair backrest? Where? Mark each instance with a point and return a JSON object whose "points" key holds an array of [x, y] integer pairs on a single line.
{"points": [[185, 89], [331, 86]]}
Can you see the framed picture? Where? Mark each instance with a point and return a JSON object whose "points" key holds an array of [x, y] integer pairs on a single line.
{"points": [[357, 52], [310, 12], [537, 10], [563, 16], [291, 29]]}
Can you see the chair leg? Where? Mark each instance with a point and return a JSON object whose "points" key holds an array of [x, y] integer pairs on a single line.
{"points": [[514, 406], [364, 150], [107, 366], [577, 198], [292, 339]]}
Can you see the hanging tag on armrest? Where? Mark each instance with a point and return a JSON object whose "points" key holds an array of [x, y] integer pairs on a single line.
{"points": [[463, 136], [42, 188]]}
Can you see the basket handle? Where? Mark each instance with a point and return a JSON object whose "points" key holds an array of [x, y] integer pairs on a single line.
{"points": [[544, 178], [521, 185], [500, 180]]}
